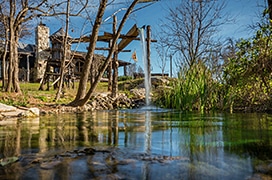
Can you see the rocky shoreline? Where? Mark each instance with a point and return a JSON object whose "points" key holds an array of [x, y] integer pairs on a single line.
{"points": [[100, 101]]}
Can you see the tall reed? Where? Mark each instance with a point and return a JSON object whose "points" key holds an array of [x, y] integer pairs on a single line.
{"points": [[194, 89]]}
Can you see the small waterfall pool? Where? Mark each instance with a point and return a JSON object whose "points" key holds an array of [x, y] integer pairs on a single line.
{"points": [[147, 143]]}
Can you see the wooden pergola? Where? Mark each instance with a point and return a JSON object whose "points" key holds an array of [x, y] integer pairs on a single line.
{"points": [[126, 39]]}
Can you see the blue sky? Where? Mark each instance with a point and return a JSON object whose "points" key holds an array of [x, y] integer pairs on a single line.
{"points": [[245, 13]]}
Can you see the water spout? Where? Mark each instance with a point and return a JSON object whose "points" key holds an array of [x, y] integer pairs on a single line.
{"points": [[145, 62]]}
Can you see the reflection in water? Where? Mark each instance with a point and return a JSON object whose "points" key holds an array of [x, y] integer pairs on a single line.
{"points": [[148, 133], [147, 150], [151, 144]]}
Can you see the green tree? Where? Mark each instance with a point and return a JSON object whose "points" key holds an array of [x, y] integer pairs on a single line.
{"points": [[248, 74]]}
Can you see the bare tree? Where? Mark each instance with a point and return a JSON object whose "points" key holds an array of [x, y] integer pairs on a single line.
{"points": [[190, 27], [14, 14], [81, 92], [162, 51], [65, 41], [83, 97], [65, 57], [4, 50]]}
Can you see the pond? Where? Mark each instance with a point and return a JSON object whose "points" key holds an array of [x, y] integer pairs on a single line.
{"points": [[147, 143]]}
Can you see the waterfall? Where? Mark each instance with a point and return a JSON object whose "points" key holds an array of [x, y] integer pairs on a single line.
{"points": [[144, 54]]}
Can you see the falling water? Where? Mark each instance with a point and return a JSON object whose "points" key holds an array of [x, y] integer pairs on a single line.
{"points": [[147, 94], [146, 81]]}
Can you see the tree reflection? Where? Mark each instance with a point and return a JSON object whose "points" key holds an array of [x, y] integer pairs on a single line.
{"points": [[203, 143]]}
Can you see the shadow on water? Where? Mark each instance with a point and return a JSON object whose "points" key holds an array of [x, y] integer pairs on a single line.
{"points": [[144, 143]]}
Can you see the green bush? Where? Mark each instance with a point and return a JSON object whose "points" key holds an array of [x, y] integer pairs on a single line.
{"points": [[124, 78]]}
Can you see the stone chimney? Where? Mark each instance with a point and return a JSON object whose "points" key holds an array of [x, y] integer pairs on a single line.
{"points": [[42, 51]]}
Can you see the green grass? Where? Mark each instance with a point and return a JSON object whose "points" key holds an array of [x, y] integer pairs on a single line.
{"points": [[31, 95]]}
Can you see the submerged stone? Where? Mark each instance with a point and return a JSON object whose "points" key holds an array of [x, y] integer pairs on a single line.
{"points": [[50, 165]]}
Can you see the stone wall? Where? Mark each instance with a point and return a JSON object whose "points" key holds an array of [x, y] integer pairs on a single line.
{"points": [[42, 51]]}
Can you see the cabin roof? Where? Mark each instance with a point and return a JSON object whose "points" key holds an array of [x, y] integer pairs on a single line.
{"points": [[59, 33]]}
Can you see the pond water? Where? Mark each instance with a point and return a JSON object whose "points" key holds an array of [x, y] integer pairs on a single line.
{"points": [[147, 143]]}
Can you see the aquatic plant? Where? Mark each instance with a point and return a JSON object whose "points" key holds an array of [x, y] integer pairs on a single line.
{"points": [[194, 89]]}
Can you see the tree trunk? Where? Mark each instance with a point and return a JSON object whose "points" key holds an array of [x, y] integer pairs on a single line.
{"points": [[65, 41], [90, 54], [82, 102], [4, 59], [270, 8], [115, 64], [11, 39], [15, 78], [110, 74]]}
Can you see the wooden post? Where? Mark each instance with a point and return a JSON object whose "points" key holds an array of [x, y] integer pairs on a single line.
{"points": [[148, 42], [115, 63], [171, 65], [125, 70], [110, 72], [27, 68]]}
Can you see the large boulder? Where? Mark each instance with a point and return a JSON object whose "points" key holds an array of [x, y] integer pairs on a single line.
{"points": [[7, 111], [7, 108]]}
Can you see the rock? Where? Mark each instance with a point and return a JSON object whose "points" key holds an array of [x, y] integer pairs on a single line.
{"points": [[50, 165], [6, 108], [127, 161], [110, 177], [138, 93], [35, 111], [159, 81], [8, 160], [264, 168], [31, 112], [259, 176], [10, 111]]}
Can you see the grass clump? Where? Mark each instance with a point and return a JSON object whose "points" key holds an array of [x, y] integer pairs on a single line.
{"points": [[194, 89]]}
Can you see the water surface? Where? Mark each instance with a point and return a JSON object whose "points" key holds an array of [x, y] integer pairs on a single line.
{"points": [[147, 143]]}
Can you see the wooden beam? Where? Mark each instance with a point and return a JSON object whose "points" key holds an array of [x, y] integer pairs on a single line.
{"points": [[151, 40], [122, 36], [107, 37], [87, 39], [107, 49], [126, 38], [132, 32]]}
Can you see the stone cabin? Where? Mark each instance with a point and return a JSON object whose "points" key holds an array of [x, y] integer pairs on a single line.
{"points": [[33, 58]]}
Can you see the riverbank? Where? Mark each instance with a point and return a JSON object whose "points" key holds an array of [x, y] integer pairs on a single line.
{"points": [[100, 101], [131, 95]]}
